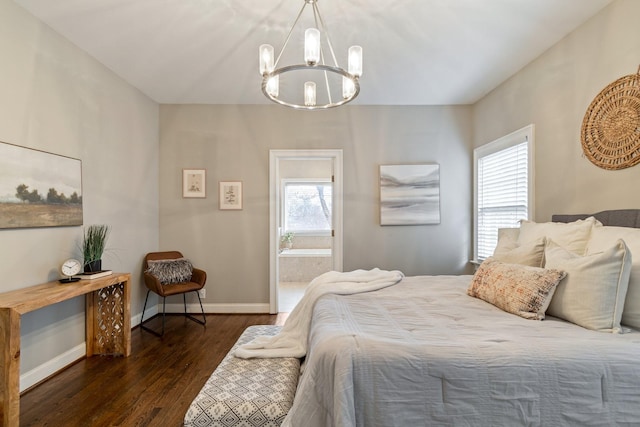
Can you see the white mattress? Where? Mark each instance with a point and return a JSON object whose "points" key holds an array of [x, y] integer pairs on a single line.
{"points": [[422, 352]]}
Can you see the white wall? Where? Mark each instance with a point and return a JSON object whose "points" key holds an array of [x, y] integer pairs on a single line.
{"points": [[233, 142], [554, 92], [55, 98]]}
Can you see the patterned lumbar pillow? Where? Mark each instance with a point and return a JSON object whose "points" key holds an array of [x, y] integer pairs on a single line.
{"points": [[169, 271], [517, 289]]}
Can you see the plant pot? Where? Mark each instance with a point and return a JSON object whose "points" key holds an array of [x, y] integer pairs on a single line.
{"points": [[93, 266]]}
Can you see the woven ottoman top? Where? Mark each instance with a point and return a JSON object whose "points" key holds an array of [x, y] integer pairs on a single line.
{"points": [[246, 392]]}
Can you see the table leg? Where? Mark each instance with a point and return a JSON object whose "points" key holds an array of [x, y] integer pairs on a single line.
{"points": [[10, 366], [109, 321]]}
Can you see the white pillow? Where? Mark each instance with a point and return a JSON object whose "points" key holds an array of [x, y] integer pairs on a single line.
{"points": [[605, 237], [507, 235], [593, 292], [572, 236], [507, 239], [531, 253]]}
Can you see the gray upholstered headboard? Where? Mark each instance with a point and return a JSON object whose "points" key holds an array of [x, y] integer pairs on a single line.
{"points": [[619, 218]]}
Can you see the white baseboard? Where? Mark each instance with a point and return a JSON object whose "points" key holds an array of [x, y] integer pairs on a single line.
{"points": [[152, 311], [52, 366], [219, 308]]}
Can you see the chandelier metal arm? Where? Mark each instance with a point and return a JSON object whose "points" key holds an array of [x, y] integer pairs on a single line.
{"points": [[325, 32], [326, 82], [317, 17], [275, 64]]}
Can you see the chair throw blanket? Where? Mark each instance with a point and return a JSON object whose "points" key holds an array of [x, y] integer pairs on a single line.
{"points": [[292, 339]]}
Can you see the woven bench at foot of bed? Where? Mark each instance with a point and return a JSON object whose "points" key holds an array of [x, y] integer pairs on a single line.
{"points": [[246, 392]]}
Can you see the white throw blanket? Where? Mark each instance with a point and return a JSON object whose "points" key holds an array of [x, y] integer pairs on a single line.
{"points": [[292, 339]]}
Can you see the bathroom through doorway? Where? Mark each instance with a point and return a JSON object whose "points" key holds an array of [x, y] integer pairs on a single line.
{"points": [[306, 221]]}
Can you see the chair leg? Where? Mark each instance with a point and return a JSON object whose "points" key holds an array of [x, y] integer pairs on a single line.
{"points": [[142, 321], [145, 307], [164, 312], [189, 316]]}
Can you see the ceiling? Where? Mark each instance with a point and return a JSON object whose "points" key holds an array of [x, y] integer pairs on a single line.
{"points": [[416, 52]]}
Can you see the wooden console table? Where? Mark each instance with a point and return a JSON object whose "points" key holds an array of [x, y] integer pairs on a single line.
{"points": [[108, 326]]}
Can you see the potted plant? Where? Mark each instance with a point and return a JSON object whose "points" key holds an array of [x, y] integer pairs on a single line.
{"points": [[93, 244], [286, 240]]}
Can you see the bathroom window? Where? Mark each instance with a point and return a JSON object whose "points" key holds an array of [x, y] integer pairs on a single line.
{"points": [[307, 207]]}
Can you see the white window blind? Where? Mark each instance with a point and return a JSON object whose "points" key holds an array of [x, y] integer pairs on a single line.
{"points": [[503, 188]]}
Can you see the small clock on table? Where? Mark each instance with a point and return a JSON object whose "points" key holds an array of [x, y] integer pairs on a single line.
{"points": [[70, 268]]}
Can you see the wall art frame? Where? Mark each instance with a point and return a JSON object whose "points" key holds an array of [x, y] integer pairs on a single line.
{"points": [[410, 194], [230, 195], [194, 183], [38, 188]]}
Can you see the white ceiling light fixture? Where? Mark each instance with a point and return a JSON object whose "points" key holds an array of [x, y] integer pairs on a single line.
{"points": [[315, 72]]}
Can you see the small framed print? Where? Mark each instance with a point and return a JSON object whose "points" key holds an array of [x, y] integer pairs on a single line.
{"points": [[230, 195], [194, 183]]}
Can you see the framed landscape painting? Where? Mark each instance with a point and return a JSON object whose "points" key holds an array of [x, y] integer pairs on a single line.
{"points": [[39, 189], [409, 194]]}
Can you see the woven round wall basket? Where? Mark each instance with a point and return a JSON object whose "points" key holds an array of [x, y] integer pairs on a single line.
{"points": [[611, 127]]}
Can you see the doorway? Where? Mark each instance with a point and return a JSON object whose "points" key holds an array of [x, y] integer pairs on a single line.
{"points": [[305, 221]]}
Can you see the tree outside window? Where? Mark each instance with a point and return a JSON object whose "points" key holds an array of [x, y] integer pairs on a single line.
{"points": [[307, 207]]}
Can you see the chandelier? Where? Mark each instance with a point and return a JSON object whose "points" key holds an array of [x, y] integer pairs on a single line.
{"points": [[337, 85]]}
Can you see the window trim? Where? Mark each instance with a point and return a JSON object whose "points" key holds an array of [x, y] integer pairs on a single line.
{"points": [[526, 133], [308, 181]]}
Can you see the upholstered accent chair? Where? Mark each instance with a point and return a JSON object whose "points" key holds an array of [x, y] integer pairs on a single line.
{"points": [[169, 273]]}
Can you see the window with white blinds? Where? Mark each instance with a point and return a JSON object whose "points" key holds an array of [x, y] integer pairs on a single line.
{"points": [[503, 187]]}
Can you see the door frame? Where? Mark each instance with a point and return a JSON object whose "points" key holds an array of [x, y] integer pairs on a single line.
{"points": [[275, 156]]}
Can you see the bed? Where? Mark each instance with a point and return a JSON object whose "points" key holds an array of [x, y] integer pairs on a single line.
{"points": [[423, 352], [467, 350]]}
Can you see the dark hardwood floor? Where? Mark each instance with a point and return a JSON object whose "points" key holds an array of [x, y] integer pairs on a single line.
{"points": [[152, 387]]}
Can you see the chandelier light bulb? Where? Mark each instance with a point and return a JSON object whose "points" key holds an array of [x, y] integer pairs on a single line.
{"points": [[355, 61], [348, 88], [312, 46], [309, 94], [266, 59], [273, 86]]}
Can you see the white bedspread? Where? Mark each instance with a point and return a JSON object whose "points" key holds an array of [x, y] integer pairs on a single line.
{"points": [[423, 353], [292, 340]]}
